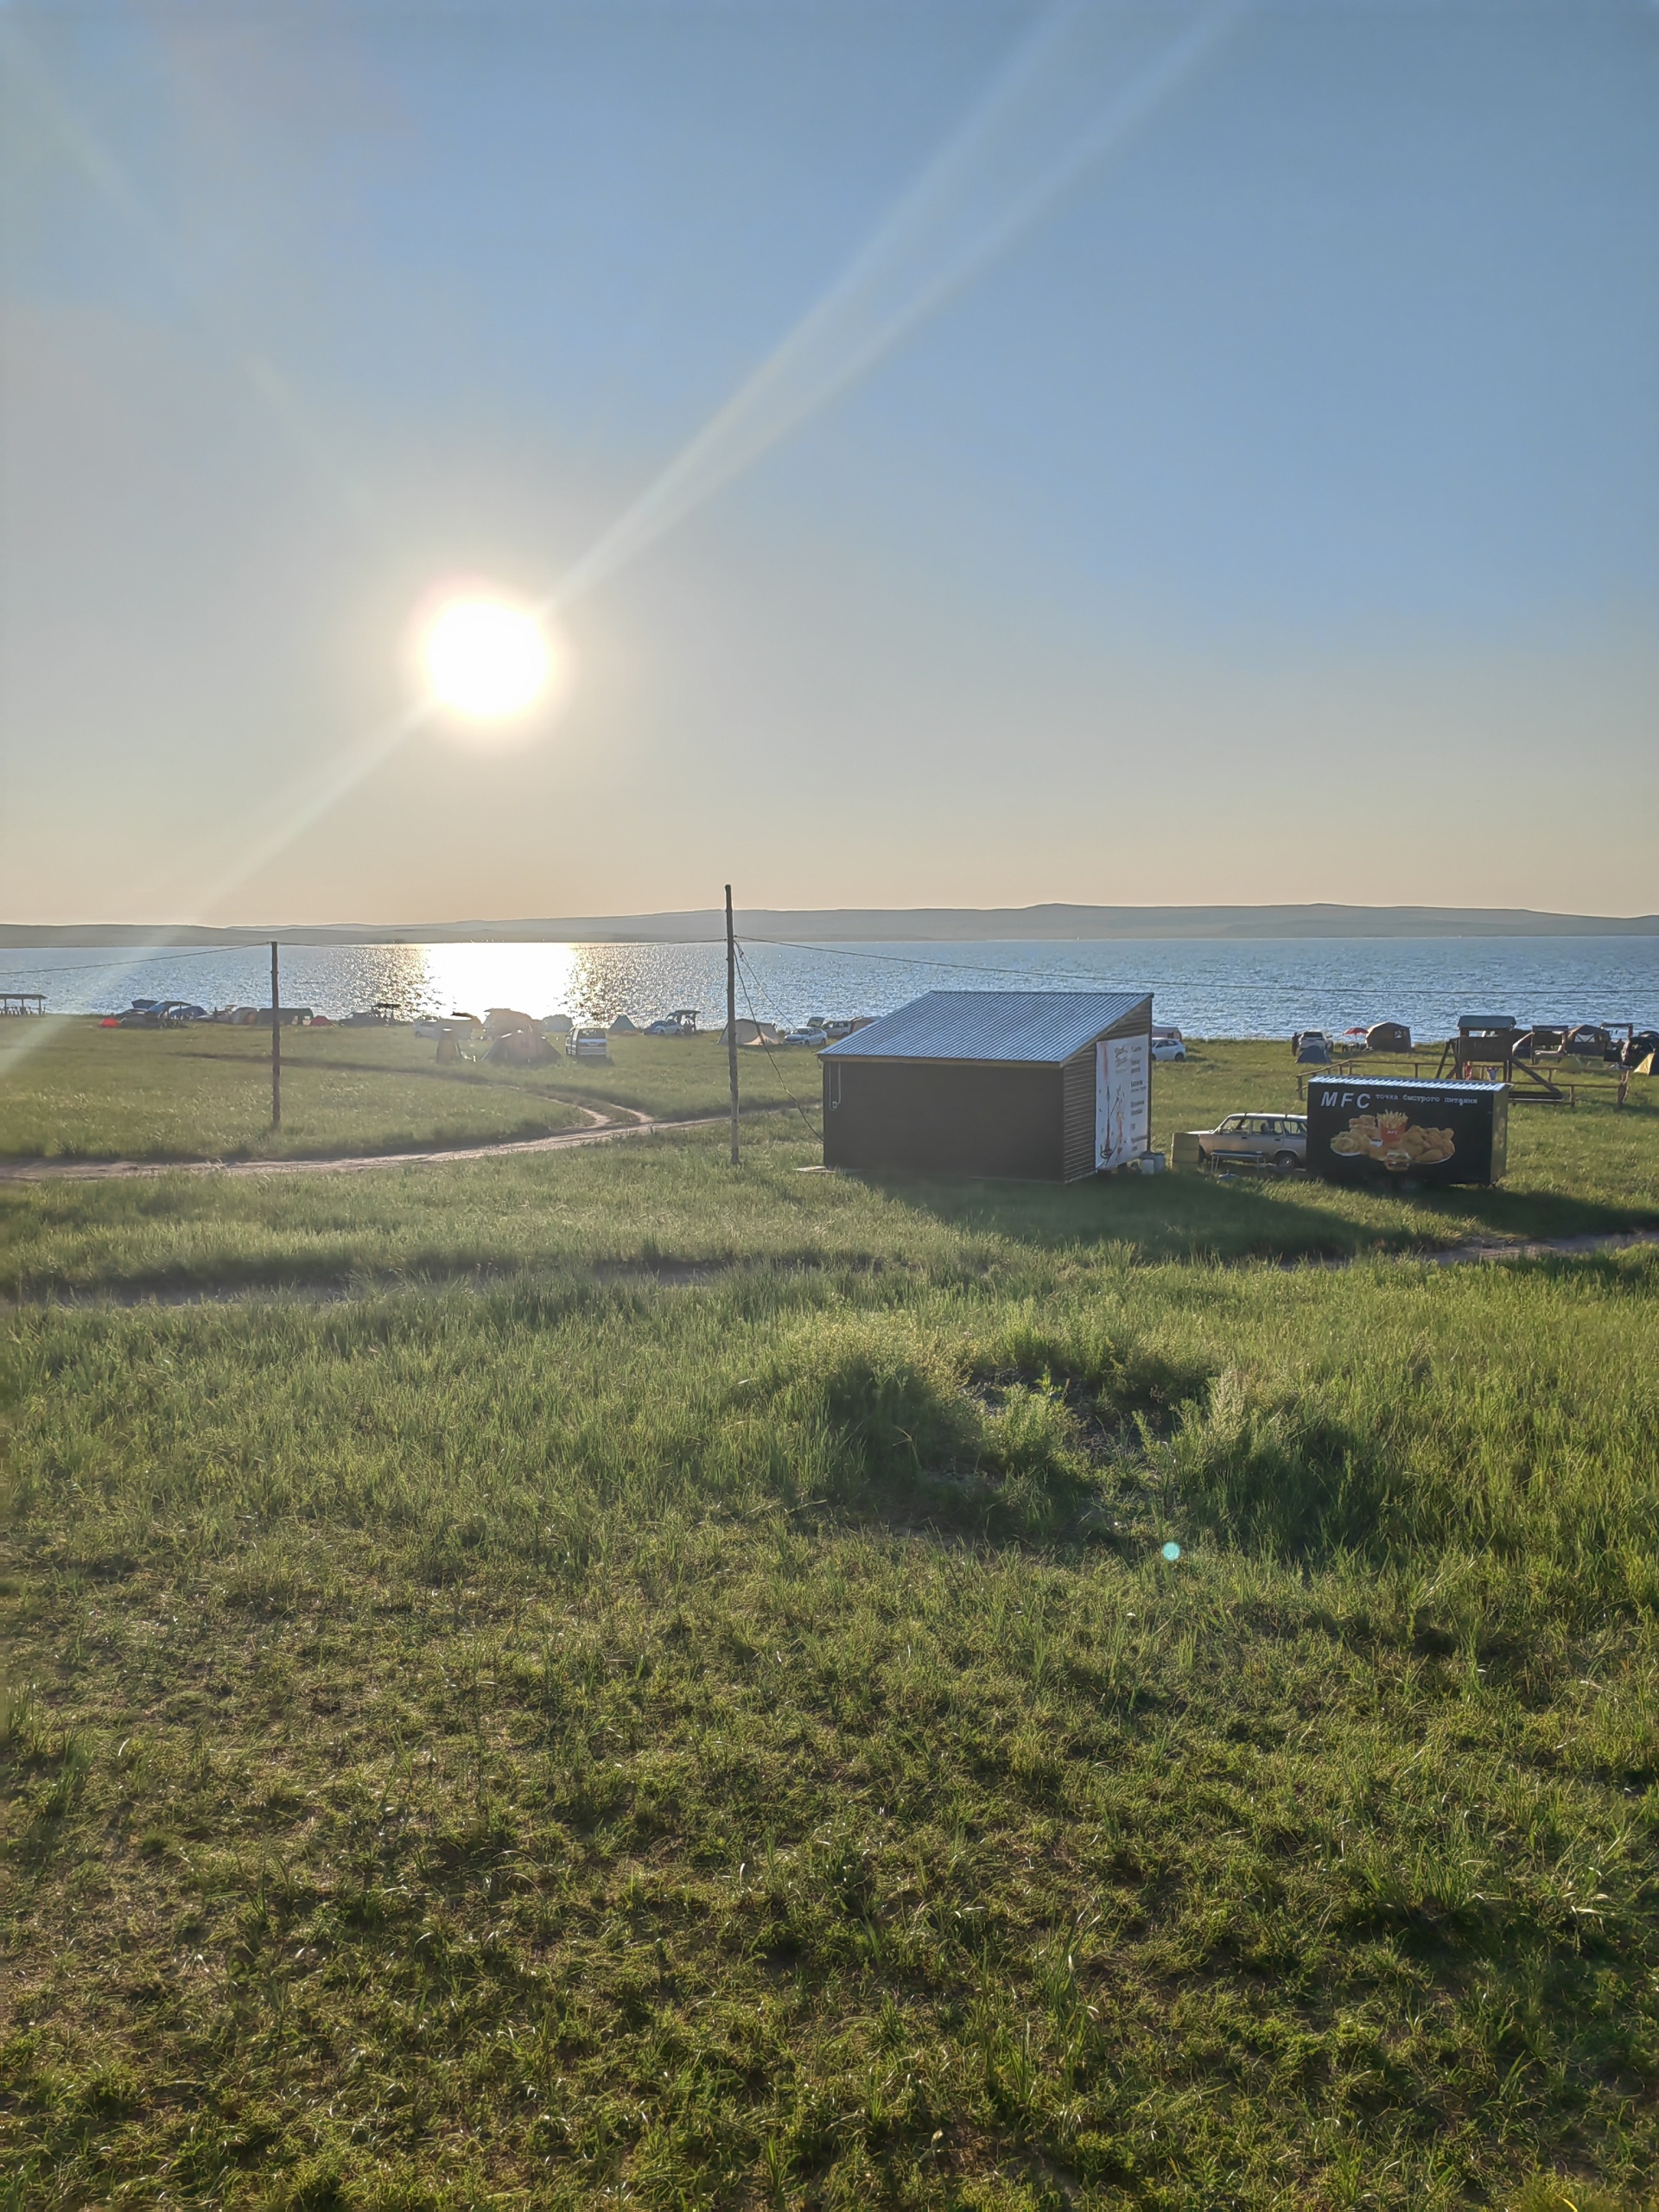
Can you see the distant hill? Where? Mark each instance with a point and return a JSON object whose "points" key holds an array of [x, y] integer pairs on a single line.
{"points": [[877, 924]]}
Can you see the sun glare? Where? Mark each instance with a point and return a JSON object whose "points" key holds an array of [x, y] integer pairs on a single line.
{"points": [[486, 658]]}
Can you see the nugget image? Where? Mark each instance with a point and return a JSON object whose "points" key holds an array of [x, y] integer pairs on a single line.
{"points": [[1393, 1142]]}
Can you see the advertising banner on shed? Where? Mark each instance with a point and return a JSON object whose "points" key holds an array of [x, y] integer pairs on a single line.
{"points": [[1123, 1101], [1406, 1132]]}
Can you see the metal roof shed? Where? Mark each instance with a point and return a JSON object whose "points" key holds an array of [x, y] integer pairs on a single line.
{"points": [[1041, 1086]]}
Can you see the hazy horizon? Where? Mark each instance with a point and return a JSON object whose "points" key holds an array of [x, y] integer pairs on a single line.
{"points": [[1195, 454], [1007, 924]]}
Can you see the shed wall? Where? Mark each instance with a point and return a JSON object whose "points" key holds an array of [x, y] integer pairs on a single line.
{"points": [[947, 1118]]}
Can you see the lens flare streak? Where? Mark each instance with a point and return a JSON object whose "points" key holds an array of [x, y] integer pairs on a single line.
{"points": [[1063, 103], [1053, 114]]}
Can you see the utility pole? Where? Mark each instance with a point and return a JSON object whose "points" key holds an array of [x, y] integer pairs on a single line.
{"points": [[731, 1015], [275, 1044]]}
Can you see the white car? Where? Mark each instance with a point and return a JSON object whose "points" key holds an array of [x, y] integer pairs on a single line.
{"points": [[1168, 1044], [1267, 1140]]}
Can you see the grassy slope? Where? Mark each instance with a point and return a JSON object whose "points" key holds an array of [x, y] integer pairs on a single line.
{"points": [[707, 1715], [70, 1089], [1591, 1169]]}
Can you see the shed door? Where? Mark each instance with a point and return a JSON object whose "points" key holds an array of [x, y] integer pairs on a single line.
{"points": [[1122, 1100]]}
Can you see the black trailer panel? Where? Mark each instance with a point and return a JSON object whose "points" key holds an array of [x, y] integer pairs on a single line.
{"points": [[1383, 1132]]}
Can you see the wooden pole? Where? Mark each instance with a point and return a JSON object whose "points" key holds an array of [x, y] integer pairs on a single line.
{"points": [[731, 1015], [275, 1044]]}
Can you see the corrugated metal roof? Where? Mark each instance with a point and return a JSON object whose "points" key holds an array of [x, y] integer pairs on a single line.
{"points": [[1043, 1027]]}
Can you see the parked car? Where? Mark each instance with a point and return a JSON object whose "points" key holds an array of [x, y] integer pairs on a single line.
{"points": [[1312, 1048], [682, 1022], [1168, 1044], [815, 1038], [160, 1014], [589, 1044], [1270, 1139]]}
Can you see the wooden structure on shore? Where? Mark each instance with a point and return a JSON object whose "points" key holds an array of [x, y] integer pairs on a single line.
{"points": [[1497, 1043]]}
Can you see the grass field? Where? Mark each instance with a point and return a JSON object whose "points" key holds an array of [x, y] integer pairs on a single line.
{"points": [[71, 1090], [591, 1679], [1593, 1169]]}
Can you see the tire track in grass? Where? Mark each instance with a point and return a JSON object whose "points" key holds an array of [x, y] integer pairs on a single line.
{"points": [[604, 1131]]}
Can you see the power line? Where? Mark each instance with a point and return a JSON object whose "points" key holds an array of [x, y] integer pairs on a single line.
{"points": [[748, 1000], [1151, 982], [146, 960]]}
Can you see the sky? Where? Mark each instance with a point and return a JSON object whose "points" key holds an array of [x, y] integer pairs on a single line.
{"points": [[967, 455]]}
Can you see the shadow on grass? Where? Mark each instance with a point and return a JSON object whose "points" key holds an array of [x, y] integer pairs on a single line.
{"points": [[1189, 1217], [1523, 1214]]}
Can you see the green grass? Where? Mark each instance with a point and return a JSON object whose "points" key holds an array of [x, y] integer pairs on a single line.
{"points": [[71, 1090], [1594, 1169], [671, 1693]]}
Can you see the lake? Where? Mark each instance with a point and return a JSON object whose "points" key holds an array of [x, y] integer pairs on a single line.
{"points": [[1209, 987]]}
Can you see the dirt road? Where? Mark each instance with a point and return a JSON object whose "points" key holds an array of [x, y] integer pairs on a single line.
{"points": [[605, 1129]]}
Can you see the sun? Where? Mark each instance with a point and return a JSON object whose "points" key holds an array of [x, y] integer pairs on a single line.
{"points": [[486, 658]]}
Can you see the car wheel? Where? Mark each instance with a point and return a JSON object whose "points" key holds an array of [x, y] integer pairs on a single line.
{"points": [[1284, 1162]]}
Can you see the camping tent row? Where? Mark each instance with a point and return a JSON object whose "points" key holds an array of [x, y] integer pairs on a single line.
{"points": [[1043, 1086]]}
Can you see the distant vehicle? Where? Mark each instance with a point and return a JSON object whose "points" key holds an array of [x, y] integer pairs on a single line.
{"points": [[161, 1014], [805, 1035], [1276, 1140], [589, 1044], [1168, 1044], [682, 1022], [1311, 1048]]}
